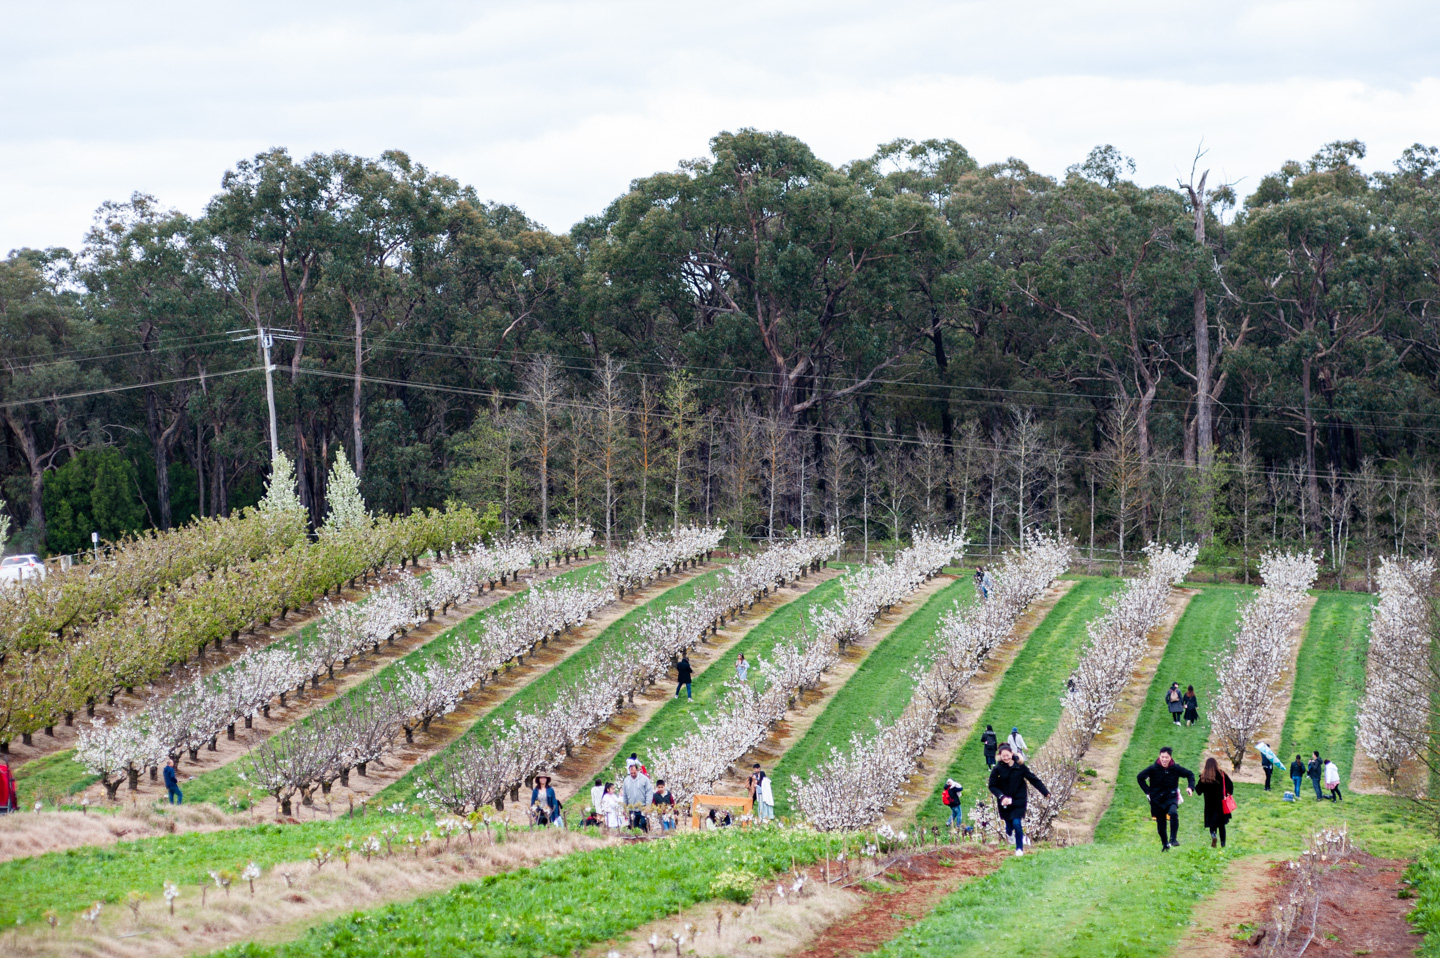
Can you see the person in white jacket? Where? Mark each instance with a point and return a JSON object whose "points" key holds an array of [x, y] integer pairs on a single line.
{"points": [[1017, 743], [1332, 781], [612, 808], [764, 794], [597, 794]]}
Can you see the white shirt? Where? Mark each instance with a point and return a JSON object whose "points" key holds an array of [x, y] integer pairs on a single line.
{"points": [[1017, 742], [613, 809], [596, 794], [767, 795], [1332, 775]]}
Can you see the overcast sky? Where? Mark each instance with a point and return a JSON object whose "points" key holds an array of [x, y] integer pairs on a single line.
{"points": [[556, 107]]}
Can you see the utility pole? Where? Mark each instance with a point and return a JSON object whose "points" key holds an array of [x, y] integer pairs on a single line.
{"points": [[266, 337]]}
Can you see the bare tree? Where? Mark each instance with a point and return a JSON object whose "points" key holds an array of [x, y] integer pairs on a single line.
{"points": [[967, 465], [612, 421], [682, 409], [743, 465], [1369, 489], [647, 428], [1024, 453], [839, 462], [778, 452], [1125, 467], [893, 468], [1247, 494], [931, 466], [543, 393], [579, 443]]}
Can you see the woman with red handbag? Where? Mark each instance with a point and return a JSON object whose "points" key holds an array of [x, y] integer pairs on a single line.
{"points": [[1219, 793]]}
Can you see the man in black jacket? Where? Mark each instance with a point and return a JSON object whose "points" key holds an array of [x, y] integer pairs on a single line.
{"points": [[989, 741], [1161, 784], [1008, 785], [1315, 769], [683, 673]]}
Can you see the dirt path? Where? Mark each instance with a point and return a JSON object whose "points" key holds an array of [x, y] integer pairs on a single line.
{"points": [[578, 772], [361, 668], [214, 660], [825, 921], [1367, 779], [1274, 723], [1239, 907], [281, 910], [810, 703], [1093, 795], [941, 753]]}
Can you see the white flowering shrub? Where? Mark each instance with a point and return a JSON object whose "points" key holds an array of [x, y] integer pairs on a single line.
{"points": [[648, 556], [1393, 723], [1252, 665], [854, 786]]}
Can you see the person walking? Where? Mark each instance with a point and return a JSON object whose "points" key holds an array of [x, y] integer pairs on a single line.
{"points": [[1192, 705], [763, 793], [989, 742], [172, 784], [1161, 784], [1316, 770], [1016, 741], [683, 674], [1215, 786], [544, 805], [1332, 781], [664, 804], [987, 583], [636, 792], [612, 808], [980, 581], [1009, 783], [1174, 702], [9, 797], [951, 798], [1268, 762], [742, 668], [1297, 773]]}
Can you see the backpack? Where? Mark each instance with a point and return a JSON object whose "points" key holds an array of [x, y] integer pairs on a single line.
{"points": [[1174, 695], [945, 797]]}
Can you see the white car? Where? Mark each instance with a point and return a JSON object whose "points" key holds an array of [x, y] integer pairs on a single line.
{"points": [[19, 568]]}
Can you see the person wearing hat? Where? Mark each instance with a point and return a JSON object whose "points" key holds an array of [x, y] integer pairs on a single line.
{"points": [[1016, 741], [543, 802]]}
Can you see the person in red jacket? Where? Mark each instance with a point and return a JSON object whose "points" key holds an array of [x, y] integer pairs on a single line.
{"points": [[9, 798]]}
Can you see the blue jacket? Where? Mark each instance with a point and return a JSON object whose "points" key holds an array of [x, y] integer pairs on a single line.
{"points": [[171, 781]]}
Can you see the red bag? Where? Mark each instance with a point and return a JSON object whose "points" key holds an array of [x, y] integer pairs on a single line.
{"points": [[1227, 804], [945, 797]]}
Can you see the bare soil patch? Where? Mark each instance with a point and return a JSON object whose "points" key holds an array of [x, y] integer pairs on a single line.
{"points": [[1238, 908], [1094, 794]]}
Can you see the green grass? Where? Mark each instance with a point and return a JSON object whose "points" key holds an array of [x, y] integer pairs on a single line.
{"points": [[1424, 878], [677, 716], [52, 777], [558, 907], [1029, 693], [1329, 680], [217, 784], [1209, 621], [540, 691], [877, 692], [1087, 901]]}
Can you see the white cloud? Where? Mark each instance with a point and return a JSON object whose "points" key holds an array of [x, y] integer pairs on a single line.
{"points": [[556, 107]]}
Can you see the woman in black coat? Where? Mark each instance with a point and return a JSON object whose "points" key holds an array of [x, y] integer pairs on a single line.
{"points": [[1192, 705], [1008, 783], [1214, 785]]}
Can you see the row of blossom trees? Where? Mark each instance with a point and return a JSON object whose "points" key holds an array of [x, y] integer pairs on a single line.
{"points": [[1395, 715]]}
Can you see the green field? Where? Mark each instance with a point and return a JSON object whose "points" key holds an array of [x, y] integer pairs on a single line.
{"points": [[216, 784], [677, 717], [1329, 680], [877, 692], [1028, 695]]}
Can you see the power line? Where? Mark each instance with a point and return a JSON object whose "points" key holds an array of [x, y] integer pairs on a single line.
{"points": [[12, 403]]}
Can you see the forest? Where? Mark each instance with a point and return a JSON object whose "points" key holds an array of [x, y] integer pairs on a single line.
{"points": [[758, 338]]}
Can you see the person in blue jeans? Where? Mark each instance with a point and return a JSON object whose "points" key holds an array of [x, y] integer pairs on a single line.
{"points": [[172, 784], [1315, 769], [1297, 774], [683, 674], [1009, 783], [952, 792]]}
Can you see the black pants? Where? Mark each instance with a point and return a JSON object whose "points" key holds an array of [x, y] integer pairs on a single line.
{"points": [[638, 820], [1221, 830], [1163, 812], [989, 758], [1268, 770], [1335, 795]]}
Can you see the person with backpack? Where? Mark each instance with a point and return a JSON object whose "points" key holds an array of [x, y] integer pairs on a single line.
{"points": [[683, 675], [1316, 770], [1161, 784], [172, 784], [988, 741], [544, 805], [1191, 704], [1297, 774], [1009, 783], [9, 797], [1332, 781], [1218, 791], [950, 797], [1173, 702]]}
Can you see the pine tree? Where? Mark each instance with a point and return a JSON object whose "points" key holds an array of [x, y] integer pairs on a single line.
{"points": [[342, 489]]}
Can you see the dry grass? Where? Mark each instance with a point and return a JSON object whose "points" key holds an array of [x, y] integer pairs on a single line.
{"points": [[280, 910], [29, 833]]}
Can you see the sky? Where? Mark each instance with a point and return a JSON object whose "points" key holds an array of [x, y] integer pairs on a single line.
{"points": [[557, 107]]}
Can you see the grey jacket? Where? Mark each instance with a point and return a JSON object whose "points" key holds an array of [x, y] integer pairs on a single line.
{"points": [[637, 790]]}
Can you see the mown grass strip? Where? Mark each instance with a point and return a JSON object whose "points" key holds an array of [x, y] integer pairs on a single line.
{"points": [[556, 908], [540, 691], [676, 717], [1029, 694], [1086, 901], [1329, 680], [216, 784], [878, 691], [1207, 624]]}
